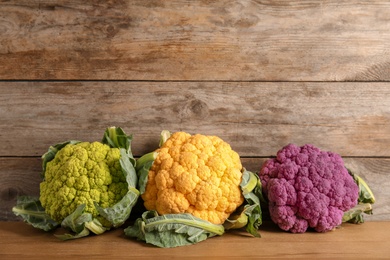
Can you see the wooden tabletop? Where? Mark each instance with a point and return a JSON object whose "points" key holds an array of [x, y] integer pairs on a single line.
{"points": [[369, 240]]}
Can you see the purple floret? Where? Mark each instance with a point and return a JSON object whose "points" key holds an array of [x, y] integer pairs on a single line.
{"points": [[307, 187]]}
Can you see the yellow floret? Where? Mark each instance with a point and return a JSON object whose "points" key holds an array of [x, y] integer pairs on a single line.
{"points": [[195, 174]]}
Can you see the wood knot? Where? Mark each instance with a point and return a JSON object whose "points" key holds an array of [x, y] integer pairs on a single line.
{"points": [[195, 108], [111, 31]]}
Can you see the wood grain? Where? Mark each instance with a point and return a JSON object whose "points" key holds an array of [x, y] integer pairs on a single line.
{"points": [[259, 74], [202, 40], [18, 177], [257, 119], [367, 241], [21, 176]]}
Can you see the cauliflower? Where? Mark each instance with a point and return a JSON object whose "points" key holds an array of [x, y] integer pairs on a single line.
{"points": [[307, 187], [86, 186], [197, 174], [191, 187], [82, 173]]}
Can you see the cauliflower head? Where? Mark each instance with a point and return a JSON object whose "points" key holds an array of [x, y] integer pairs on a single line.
{"points": [[307, 187], [195, 174], [82, 173]]}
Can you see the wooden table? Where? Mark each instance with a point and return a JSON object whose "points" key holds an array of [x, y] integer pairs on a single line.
{"points": [[369, 240]]}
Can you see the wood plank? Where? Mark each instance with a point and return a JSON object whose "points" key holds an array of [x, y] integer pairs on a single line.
{"points": [[257, 119], [202, 40], [18, 177], [21, 176], [367, 241]]}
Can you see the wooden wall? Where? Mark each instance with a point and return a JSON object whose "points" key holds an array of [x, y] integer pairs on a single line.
{"points": [[259, 74]]}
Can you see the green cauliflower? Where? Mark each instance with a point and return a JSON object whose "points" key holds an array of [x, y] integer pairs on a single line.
{"points": [[86, 186], [82, 173]]}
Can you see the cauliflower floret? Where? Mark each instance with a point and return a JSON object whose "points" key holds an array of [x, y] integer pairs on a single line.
{"points": [[195, 174], [307, 187], [82, 173]]}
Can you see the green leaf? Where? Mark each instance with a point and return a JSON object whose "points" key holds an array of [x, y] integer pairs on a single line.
{"points": [[81, 223], [84, 233], [143, 165], [164, 136], [249, 182], [32, 212], [172, 230], [251, 190], [365, 193], [236, 220], [120, 212], [76, 220], [137, 230], [95, 226], [115, 137], [143, 176], [145, 159], [355, 215], [128, 169], [365, 200]]}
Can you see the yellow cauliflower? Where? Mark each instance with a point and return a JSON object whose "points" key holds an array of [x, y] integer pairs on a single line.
{"points": [[195, 174]]}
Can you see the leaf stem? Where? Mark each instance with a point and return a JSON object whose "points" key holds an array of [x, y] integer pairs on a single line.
{"points": [[161, 220], [145, 159]]}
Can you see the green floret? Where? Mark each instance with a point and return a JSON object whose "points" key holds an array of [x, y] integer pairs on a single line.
{"points": [[82, 173], [86, 187]]}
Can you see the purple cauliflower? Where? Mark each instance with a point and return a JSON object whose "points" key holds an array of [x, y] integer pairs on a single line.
{"points": [[307, 187]]}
